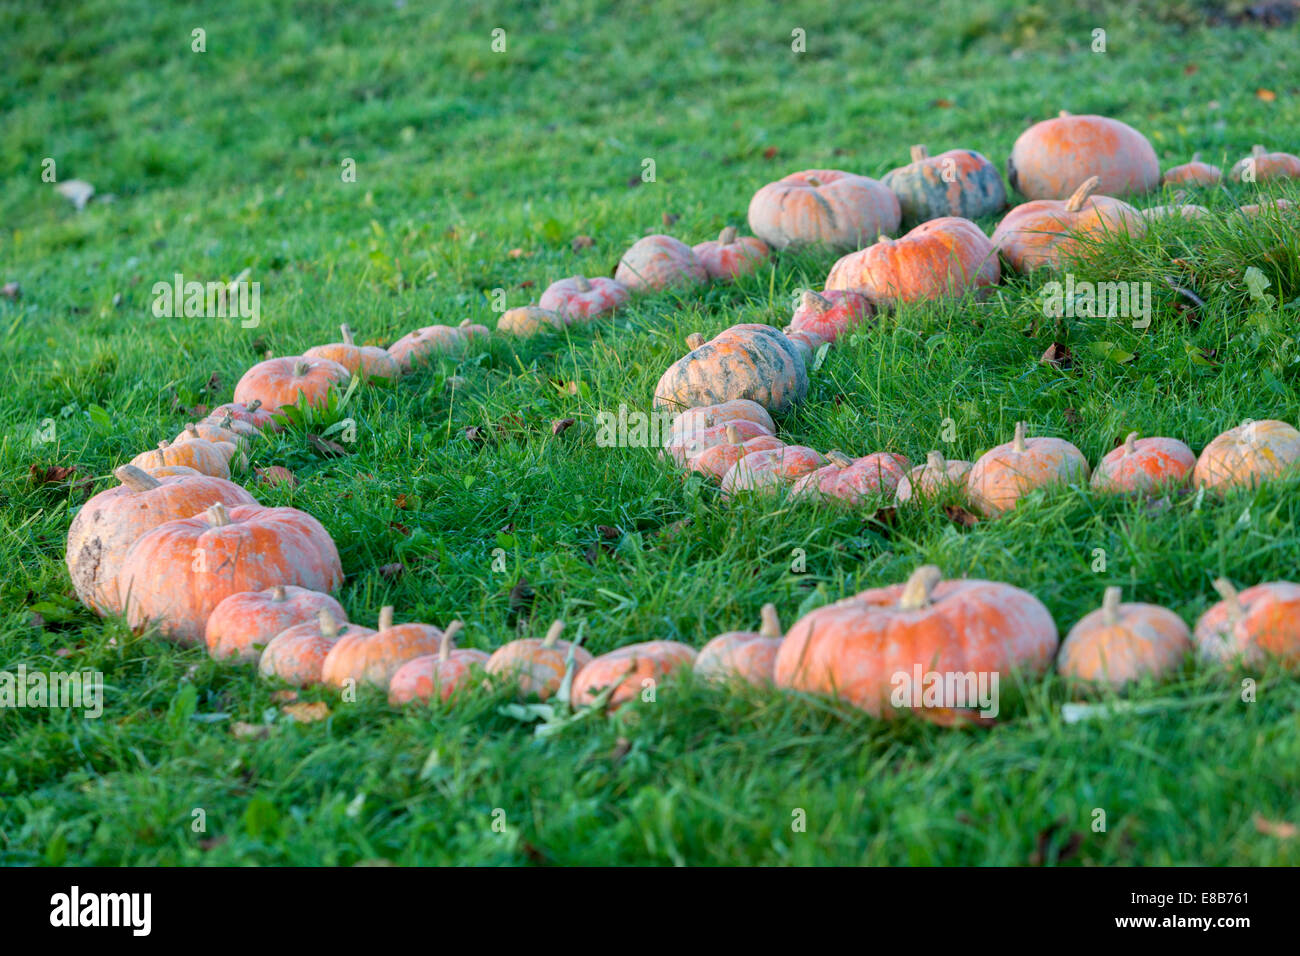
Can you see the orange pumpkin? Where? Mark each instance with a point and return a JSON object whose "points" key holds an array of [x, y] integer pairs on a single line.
{"points": [[1006, 473], [705, 416], [442, 674], [1267, 206], [942, 257], [853, 481], [416, 348], [281, 381], [368, 361], [874, 648], [242, 625], [831, 313], [731, 256], [1247, 455], [373, 658], [691, 445], [231, 445], [659, 262], [1051, 158], [825, 207], [1141, 465], [251, 414], [203, 456], [633, 670], [1251, 627], [938, 476], [745, 656], [718, 460], [807, 343], [749, 361], [176, 574], [1177, 209], [771, 470], [1261, 166], [297, 654], [959, 182], [1195, 173], [1121, 644], [537, 667], [529, 320], [113, 520], [579, 299], [1047, 232]]}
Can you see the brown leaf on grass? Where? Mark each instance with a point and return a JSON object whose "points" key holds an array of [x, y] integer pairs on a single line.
{"points": [[284, 696], [213, 842], [1043, 846], [608, 532], [1280, 829], [960, 516], [330, 449], [273, 475], [1072, 417], [582, 242], [521, 598], [11, 290], [941, 104], [769, 153], [1190, 69], [1058, 355], [51, 474], [476, 433], [213, 385], [560, 425], [400, 528], [885, 516], [306, 712], [670, 218], [402, 502], [527, 284], [247, 731], [396, 569], [1268, 96], [633, 182]]}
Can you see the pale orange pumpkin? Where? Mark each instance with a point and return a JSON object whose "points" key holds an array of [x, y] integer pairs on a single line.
{"points": [[1006, 473], [1142, 465], [242, 625], [706, 416], [579, 299], [1251, 627], [1247, 455], [373, 658], [634, 670], [1195, 173], [853, 480], [368, 361], [749, 361], [942, 257], [747, 657], [279, 382], [251, 414], [297, 654], [771, 470], [418, 347], [1267, 206], [233, 447], [831, 313], [655, 263], [443, 674], [1121, 644], [203, 456], [718, 460], [529, 320], [1178, 209], [536, 666], [938, 476], [730, 255], [691, 445], [1047, 232], [1051, 158], [1261, 166], [823, 207]]}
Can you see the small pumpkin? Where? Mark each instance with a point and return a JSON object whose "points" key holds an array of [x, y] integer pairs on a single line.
{"points": [[657, 262], [1179, 208], [1251, 627], [631, 670], [1051, 158], [1195, 173], [706, 416], [279, 382], [242, 625], [1047, 232], [1142, 465], [771, 470], [831, 313], [939, 258], [443, 674], [1121, 644], [373, 658], [203, 456], [938, 476], [1267, 206], [297, 654], [959, 182], [730, 255], [853, 480], [368, 361], [176, 574], [1247, 455], [232, 446], [416, 348], [745, 656], [1006, 473], [537, 666], [717, 460], [529, 320], [249, 414], [579, 299], [823, 207], [749, 361], [693, 444], [1261, 166], [113, 520], [858, 649]]}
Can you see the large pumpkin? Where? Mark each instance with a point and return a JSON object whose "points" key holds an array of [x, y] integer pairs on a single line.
{"points": [[1261, 166], [536, 666], [938, 476], [853, 480], [872, 648], [942, 257], [730, 255], [1005, 473], [1142, 465], [1253, 626], [297, 654], [659, 262], [745, 656], [750, 361], [368, 361], [1051, 158], [823, 207], [373, 658], [632, 670], [578, 299], [241, 626], [831, 313], [1244, 456], [959, 182], [1120, 644], [282, 381], [1047, 231]]}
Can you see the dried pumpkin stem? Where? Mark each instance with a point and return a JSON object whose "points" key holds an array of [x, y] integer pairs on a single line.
{"points": [[935, 462], [553, 633], [1018, 442], [137, 479], [448, 640], [1110, 606], [695, 340], [385, 617], [347, 334], [1257, 150], [217, 515], [583, 283], [733, 435], [1230, 598], [916, 593], [301, 368], [727, 236], [815, 302], [771, 622], [839, 458], [192, 430], [813, 181], [1130, 443], [329, 625], [279, 594], [464, 323], [1196, 157], [1080, 195], [254, 405], [919, 152], [1064, 113]]}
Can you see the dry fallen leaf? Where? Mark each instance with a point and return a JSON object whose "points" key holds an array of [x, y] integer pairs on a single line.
{"points": [[284, 696], [1275, 828], [517, 254], [1268, 96], [670, 218], [76, 191], [941, 104], [306, 712], [960, 516], [1058, 355], [392, 570], [276, 475], [52, 475], [582, 242], [769, 153], [246, 731], [560, 425], [329, 449]]}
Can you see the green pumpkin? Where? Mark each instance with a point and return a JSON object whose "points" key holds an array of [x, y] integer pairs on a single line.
{"points": [[750, 361], [959, 182]]}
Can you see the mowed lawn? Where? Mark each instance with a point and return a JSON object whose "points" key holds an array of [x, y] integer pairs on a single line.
{"points": [[475, 171]]}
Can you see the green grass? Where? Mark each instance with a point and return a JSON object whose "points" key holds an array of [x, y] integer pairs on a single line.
{"points": [[231, 159]]}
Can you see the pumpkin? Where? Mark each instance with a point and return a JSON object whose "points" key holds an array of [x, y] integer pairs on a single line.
{"points": [[282, 381], [938, 476], [1195, 173], [1247, 455], [770, 470], [959, 182], [1051, 158], [529, 320], [373, 658], [176, 574], [749, 361], [1046, 232], [1006, 473], [806, 342], [113, 520], [862, 648], [831, 313], [691, 445], [631, 670], [1120, 644], [203, 456], [1141, 465], [537, 666], [745, 656], [1268, 205], [297, 654], [1251, 627], [579, 299], [659, 262], [368, 361], [1263, 166], [242, 625], [169, 471], [251, 414], [731, 256], [231, 445], [705, 416], [1178, 208], [443, 674], [823, 207], [416, 347], [851, 480], [942, 257], [224, 427], [717, 460]]}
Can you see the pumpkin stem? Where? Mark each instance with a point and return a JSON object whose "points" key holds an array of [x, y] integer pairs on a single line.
{"points": [[553, 633], [1080, 195], [1196, 157], [727, 236], [1064, 113], [1257, 150], [1018, 442], [771, 622], [464, 324], [934, 461], [1110, 606], [583, 283], [1130, 443], [192, 430], [919, 152], [1230, 598], [839, 458], [448, 636], [217, 515], [301, 368], [227, 420], [813, 181], [733, 435], [136, 479], [278, 593], [814, 302], [385, 617], [916, 593], [347, 333], [883, 238], [329, 625], [254, 405], [695, 340]]}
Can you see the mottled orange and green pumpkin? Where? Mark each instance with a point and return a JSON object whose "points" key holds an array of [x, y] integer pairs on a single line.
{"points": [[634, 670], [718, 460], [1251, 627], [251, 413], [770, 471], [1121, 644], [1247, 455], [536, 666], [418, 347], [959, 182], [1047, 232], [297, 654], [823, 207], [942, 257], [241, 626], [1142, 465], [749, 361], [659, 262], [705, 416], [1051, 158], [1261, 166], [747, 657]]}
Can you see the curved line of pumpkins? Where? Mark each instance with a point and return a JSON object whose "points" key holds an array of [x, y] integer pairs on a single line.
{"points": [[180, 545]]}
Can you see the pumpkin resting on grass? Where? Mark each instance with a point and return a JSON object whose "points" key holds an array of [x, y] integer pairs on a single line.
{"points": [[297, 654], [1006, 473], [659, 262], [1046, 232], [730, 256], [529, 320], [1253, 626], [938, 476], [831, 313], [1244, 456], [442, 674], [1261, 166], [579, 299], [1120, 644], [770, 471], [634, 670], [1195, 173], [374, 657], [537, 666], [853, 480], [1142, 465], [242, 625], [749, 361], [823, 207], [959, 182], [203, 456], [418, 347], [717, 460], [745, 656], [1051, 158], [281, 381], [368, 361]]}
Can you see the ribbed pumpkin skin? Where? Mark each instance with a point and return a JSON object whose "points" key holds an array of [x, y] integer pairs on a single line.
{"points": [[929, 481], [1268, 629], [1144, 465], [659, 262], [242, 625], [533, 669], [567, 298], [691, 445], [368, 361], [874, 476], [1267, 166], [1244, 456], [749, 361], [297, 654], [375, 657], [1051, 158], [113, 520], [1267, 206], [428, 675], [1195, 173], [853, 648], [826, 207], [718, 460], [254, 415], [729, 260], [203, 456], [806, 342], [1004, 474], [831, 313], [769, 471], [275, 382], [939, 258], [706, 416], [230, 445], [627, 667], [416, 348], [976, 188], [1043, 233], [1145, 640], [529, 320], [180, 571]]}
